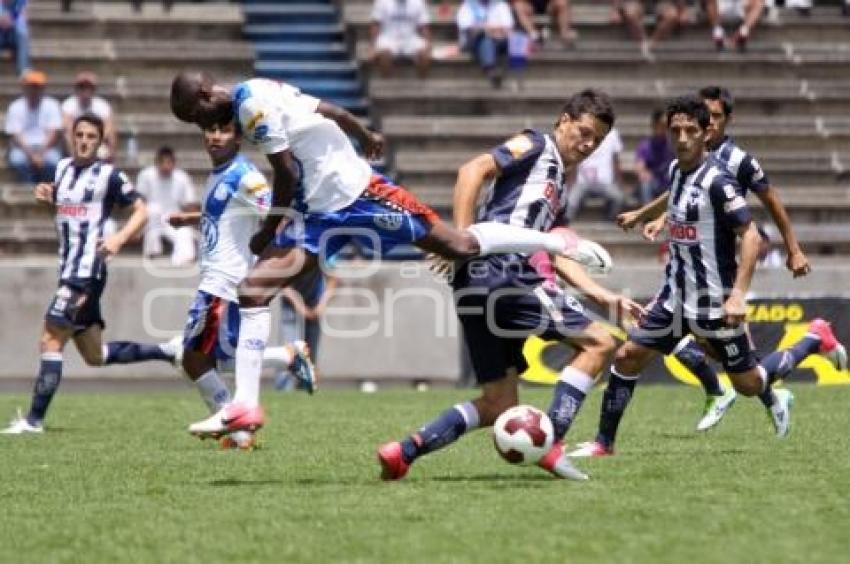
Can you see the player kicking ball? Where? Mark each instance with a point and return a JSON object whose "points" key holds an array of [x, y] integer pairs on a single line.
{"points": [[83, 195], [705, 285], [503, 298], [330, 197]]}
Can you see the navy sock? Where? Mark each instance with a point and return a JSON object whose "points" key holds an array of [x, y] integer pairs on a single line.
{"points": [[779, 364], [766, 397], [617, 396], [693, 357], [127, 352], [442, 431], [49, 376], [566, 402]]}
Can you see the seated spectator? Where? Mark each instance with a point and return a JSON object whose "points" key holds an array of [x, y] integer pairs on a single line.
{"points": [[84, 101], [168, 190], [34, 123], [743, 13], [558, 10], [669, 14], [599, 175], [400, 30], [483, 27], [14, 32], [652, 159]]}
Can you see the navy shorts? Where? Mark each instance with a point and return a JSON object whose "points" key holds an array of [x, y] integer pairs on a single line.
{"points": [[384, 216], [497, 323], [661, 330], [212, 327], [76, 304]]}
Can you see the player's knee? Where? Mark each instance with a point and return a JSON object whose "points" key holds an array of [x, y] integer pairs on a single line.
{"points": [[252, 295], [626, 361]]}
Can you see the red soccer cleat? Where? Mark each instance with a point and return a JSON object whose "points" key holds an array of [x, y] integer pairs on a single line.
{"points": [[556, 463], [393, 466], [230, 418], [830, 347], [591, 449]]}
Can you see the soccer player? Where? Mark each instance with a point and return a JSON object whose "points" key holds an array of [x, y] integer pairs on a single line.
{"points": [[704, 286], [502, 299], [750, 176], [336, 199], [83, 195]]}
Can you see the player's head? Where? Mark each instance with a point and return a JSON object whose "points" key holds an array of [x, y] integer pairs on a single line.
{"points": [[658, 122], [165, 161], [196, 98], [87, 133], [720, 105], [585, 120], [687, 122], [222, 142]]}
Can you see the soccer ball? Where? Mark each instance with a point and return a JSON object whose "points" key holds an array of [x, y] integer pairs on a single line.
{"points": [[523, 434]]}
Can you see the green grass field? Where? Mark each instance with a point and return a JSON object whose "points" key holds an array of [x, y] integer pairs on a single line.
{"points": [[117, 480]]}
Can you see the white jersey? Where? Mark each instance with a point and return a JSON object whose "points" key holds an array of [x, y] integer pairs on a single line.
{"points": [[236, 198], [277, 117]]}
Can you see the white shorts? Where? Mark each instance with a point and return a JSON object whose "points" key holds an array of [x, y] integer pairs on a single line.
{"points": [[731, 11], [401, 46]]}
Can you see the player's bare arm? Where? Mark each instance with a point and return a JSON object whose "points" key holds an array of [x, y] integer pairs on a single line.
{"points": [[652, 210], [735, 308], [111, 245], [283, 190], [371, 141], [183, 219], [797, 262], [43, 193], [576, 276], [470, 178], [653, 229]]}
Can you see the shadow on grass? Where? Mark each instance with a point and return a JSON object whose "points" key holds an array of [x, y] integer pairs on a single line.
{"points": [[237, 483], [493, 477]]}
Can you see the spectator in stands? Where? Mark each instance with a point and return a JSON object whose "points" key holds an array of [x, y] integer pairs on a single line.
{"points": [[743, 13], [14, 32], [34, 123], [400, 29], [558, 10], [669, 14], [483, 27], [83, 101], [168, 190], [599, 175], [652, 159], [768, 257]]}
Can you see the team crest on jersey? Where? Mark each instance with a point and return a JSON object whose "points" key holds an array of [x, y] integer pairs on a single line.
{"points": [[261, 133], [255, 119], [389, 221], [209, 233], [221, 192]]}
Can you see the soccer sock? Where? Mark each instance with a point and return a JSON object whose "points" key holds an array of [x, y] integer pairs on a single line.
{"points": [[779, 364], [279, 358], [693, 357], [254, 328], [494, 238], [127, 352], [570, 391], [49, 376], [213, 390], [617, 396], [444, 430]]}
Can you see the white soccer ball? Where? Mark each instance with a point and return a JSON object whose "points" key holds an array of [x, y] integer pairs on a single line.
{"points": [[523, 434]]}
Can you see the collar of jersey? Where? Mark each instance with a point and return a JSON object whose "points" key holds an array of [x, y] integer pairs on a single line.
{"points": [[223, 167]]}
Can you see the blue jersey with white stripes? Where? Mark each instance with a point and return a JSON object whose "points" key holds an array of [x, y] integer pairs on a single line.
{"points": [[84, 198], [743, 166], [705, 207]]}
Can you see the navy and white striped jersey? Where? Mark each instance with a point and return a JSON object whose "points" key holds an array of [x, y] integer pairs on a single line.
{"points": [[84, 198], [743, 166], [704, 209]]}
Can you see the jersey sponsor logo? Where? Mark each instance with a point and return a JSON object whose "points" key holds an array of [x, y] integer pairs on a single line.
{"points": [[261, 133], [254, 120], [682, 232], [389, 221], [253, 189], [74, 211], [209, 234], [519, 145]]}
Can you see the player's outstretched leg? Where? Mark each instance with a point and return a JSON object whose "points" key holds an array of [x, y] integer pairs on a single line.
{"points": [[718, 400], [129, 352]]}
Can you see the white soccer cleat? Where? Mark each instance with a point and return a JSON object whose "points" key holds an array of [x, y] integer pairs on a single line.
{"points": [[590, 449], [174, 348], [230, 418], [780, 412], [592, 256], [20, 426], [715, 408]]}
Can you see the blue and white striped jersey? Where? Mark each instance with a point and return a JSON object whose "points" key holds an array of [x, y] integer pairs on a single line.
{"points": [[743, 166], [704, 209], [84, 198]]}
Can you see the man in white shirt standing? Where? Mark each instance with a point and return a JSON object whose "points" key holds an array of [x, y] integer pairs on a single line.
{"points": [[33, 122], [599, 175], [84, 101], [167, 190], [483, 28], [400, 30]]}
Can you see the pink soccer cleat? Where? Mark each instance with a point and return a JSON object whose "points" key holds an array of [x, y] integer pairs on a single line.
{"points": [[830, 347], [232, 417], [556, 463], [393, 466], [591, 449]]}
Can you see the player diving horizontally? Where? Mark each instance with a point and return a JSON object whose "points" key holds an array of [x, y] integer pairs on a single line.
{"points": [[330, 197], [84, 193], [705, 286], [502, 299]]}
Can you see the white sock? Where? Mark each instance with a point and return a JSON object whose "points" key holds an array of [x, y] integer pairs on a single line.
{"points": [[495, 238], [577, 379], [763, 377], [254, 329], [213, 390], [278, 358]]}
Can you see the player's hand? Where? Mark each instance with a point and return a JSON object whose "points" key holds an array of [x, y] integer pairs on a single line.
{"points": [[109, 247], [628, 219], [442, 267], [734, 310], [798, 264], [43, 192], [374, 146], [260, 241], [654, 228], [627, 306]]}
